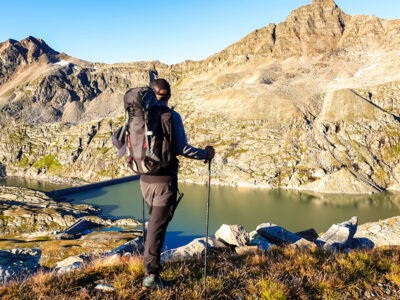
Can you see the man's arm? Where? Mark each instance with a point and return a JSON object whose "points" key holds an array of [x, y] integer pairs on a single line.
{"points": [[181, 144]]}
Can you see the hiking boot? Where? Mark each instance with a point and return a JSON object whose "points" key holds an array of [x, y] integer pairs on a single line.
{"points": [[154, 280]]}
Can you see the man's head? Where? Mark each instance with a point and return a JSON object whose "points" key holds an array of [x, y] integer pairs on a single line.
{"points": [[162, 89]]}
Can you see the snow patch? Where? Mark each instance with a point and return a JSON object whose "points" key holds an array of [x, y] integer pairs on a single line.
{"points": [[361, 71], [250, 81], [339, 79], [63, 62]]}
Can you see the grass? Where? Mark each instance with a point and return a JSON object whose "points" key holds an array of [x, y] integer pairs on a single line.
{"points": [[50, 163], [282, 273]]}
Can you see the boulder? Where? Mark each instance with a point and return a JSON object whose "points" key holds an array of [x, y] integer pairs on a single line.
{"points": [[304, 244], [246, 249], [338, 235], [135, 246], [234, 235], [195, 248], [382, 233], [309, 234], [258, 240], [277, 234], [76, 230], [69, 268], [72, 260], [18, 263]]}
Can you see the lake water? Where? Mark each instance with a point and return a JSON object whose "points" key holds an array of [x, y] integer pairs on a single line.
{"points": [[246, 206], [39, 185]]}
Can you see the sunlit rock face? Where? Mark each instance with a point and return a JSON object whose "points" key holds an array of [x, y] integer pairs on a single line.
{"points": [[312, 103]]}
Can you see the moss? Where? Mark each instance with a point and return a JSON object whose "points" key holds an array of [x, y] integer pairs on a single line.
{"points": [[50, 163], [24, 162], [104, 150], [106, 173], [392, 153], [67, 147], [6, 218]]}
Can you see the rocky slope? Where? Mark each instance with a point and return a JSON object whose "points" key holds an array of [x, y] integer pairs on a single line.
{"points": [[28, 211], [312, 103]]}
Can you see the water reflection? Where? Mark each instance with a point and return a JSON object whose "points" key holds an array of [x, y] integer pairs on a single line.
{"points": [[39, 185], [246, 206], [249, 207]]}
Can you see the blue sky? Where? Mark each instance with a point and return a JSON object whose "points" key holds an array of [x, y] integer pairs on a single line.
{"points": [[169, 31]]}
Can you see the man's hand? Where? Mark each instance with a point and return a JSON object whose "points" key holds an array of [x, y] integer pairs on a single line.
{"points": [[210, 152]]}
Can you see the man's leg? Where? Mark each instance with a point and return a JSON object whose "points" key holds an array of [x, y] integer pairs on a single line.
{"points": [[160, 197]]}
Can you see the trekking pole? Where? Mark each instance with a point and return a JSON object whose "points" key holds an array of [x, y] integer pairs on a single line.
{"points": [[207, 221], [143, 223]]}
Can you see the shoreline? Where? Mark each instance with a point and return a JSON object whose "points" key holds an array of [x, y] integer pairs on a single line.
{"points": [[80, 186]]}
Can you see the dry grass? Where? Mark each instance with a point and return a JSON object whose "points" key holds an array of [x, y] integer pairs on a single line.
{"points": [[282, 273]]}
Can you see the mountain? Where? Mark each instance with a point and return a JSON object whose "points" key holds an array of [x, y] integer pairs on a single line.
{"points": [[312, 103]]}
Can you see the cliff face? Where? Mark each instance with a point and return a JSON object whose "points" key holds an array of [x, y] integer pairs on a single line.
{"points": [[311, 103]]}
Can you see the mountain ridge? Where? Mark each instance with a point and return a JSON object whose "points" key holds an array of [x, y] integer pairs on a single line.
{"points": [[300, 105]]}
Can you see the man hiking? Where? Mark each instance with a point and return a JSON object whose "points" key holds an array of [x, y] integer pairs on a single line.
{"points": [[160, 191]]}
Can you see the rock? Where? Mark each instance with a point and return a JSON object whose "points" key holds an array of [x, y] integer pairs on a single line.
{"points": [[72, 260], [342, 181], [361, 243], [18, 263], [194, 249], [258, 240], [382, 233], [309, 234], [304, 244], [234, 235], [3, 172], [277, 234], [135, 246], [76, 230], [25, 210], [104, 288], [338, 235], [69, 268], [329, 142], [241, 250]]}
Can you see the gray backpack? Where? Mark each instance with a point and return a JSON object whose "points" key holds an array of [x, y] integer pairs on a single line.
{"points": [[149, 137]]}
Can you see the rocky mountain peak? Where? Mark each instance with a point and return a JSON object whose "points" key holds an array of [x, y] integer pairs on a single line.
{"points": [[325, 3], [311, 30], [37, 47]]}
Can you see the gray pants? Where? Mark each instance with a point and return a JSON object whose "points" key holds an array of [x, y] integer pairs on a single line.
{"points": [[160, 193]]}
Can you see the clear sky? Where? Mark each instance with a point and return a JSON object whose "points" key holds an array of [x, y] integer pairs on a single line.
{"points": [[169, 31]]}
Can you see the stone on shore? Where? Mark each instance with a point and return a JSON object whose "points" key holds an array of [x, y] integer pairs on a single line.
{"points": [[382, 233], [277, 234], [76, 230], [338, 235], [18, 263], [194, 249], [258, 240], [234, 235], [309, 234], [135, 246]]}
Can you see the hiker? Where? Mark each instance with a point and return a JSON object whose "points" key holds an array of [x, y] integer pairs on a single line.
{"points": [[160, 191]]}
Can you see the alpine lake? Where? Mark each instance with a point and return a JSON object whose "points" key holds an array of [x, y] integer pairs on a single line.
{"points": [[249, 207]]}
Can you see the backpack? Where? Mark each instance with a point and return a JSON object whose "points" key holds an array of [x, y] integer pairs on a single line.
{"points": [[149, 137]]}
